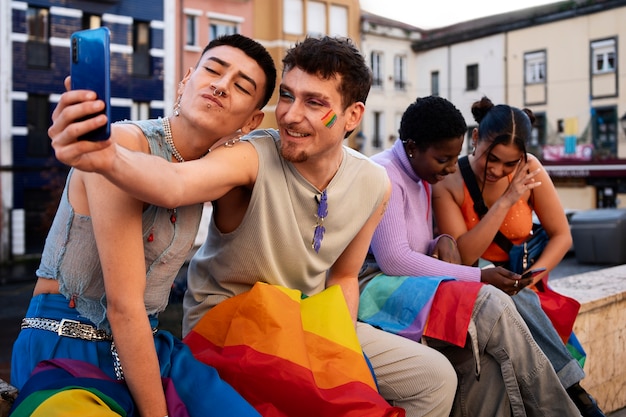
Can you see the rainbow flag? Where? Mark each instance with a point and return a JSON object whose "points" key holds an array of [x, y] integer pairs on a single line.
{"points": [[69, 387], [576, 349], [562, 312], [451, 311], [437, 307], [290, 355]]}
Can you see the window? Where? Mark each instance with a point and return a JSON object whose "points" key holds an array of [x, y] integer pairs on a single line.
{"points": [[434, 83], [538, 135], [141, 49], [471, 77], [218, 28], [399, 72], [315, 18], [377, 68], [605, 132], [603, 56], [191, 33], [37, 123], [293, 10], [223, 24], [91, 21], [338, 24], [377, 139], [535, 67], [37, 47]]}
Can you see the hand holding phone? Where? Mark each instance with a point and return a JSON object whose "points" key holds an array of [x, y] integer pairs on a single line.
{"points": [[90, 70], [531, 273]]}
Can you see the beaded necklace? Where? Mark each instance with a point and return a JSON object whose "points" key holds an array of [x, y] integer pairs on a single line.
{"points": [[170, 141]]}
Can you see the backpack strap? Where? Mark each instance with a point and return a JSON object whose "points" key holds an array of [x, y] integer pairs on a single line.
{"points": [[472, 186], [479, 204]]}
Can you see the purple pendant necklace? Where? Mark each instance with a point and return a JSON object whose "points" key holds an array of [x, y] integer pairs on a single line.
{"points": [[322, 212]]}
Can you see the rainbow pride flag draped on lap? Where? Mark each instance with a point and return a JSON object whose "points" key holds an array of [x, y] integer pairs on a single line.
{"points": [[290, 355], [441, 308], [69, 387], [437, 307]]}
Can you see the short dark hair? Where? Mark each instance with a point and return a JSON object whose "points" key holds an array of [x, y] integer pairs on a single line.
{"points": [[329, 57], [255, 51], [429, 120]]}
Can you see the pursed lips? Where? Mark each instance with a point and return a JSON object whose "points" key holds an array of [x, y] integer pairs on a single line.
{"points": [[212, 99]]}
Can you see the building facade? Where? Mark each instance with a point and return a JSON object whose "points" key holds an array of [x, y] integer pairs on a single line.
{"points": [[38, 50], [386, 45], [574, 85], [195, 24], [560, 60], [152, 46], [279, 24]]}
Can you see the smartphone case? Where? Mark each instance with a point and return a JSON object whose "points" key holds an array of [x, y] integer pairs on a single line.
{"points": [[90, 70]]}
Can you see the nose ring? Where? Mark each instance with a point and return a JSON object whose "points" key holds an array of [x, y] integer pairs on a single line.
{"points": [[217, 93]]}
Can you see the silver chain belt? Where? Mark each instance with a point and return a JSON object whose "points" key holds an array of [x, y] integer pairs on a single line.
{"points": [[68, 328], [77, 330]]}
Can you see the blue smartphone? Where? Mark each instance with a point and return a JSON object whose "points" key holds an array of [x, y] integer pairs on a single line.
{"points": [[90, 70]]}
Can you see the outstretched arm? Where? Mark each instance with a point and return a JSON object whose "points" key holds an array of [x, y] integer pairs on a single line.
{"points": [[157, 181], [146, 177]]}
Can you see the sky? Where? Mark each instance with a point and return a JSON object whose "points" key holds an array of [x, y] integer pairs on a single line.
{"points": [[437, 13]]}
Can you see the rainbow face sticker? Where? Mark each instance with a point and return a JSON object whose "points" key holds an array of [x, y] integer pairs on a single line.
{"points": [[329, 118]]}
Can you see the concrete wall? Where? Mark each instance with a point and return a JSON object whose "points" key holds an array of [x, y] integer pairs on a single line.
{"points": [[601, 329]]}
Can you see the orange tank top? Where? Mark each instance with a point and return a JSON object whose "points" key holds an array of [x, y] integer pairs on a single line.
{"points": [[516, 227]]}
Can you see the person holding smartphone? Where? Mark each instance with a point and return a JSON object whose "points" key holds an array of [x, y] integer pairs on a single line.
{"points": [[110, 258], [513, 184], [496, 358], [293, 207]]}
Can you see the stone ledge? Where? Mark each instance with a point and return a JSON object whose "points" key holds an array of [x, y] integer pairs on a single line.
{"points": [[601, 329]]}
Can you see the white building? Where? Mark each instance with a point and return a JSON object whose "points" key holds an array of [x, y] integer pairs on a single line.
{"points": [[386, 45]]}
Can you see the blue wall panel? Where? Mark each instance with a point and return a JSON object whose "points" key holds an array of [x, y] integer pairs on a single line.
{"points": [[42, 173]]}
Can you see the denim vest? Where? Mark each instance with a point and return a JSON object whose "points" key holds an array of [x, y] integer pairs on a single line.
{"points": [[70, 254]]}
